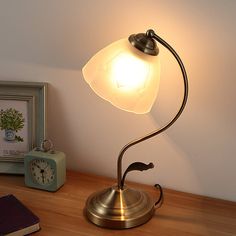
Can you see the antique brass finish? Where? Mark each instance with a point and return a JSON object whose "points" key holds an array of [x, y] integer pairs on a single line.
{"points": [[119, 208], [145, 43], [139, 41]]}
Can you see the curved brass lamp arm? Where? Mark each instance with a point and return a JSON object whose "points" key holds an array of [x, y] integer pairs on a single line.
{"points": [[151, 33]]}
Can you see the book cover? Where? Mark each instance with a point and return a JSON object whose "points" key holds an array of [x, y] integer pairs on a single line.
{"points": [[15, 218]]}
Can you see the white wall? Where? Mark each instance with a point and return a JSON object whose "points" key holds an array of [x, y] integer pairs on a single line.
{"points": [[51, 40]]}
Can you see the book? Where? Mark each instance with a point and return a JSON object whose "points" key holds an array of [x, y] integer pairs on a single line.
{"points": [[15, 218]]}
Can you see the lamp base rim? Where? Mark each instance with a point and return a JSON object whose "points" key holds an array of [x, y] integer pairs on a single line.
{"points": [[119, 208]]}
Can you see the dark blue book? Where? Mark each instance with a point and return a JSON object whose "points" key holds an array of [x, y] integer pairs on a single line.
{"points": [[15, 218]]}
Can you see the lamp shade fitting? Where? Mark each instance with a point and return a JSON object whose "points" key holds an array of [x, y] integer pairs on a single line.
{"points": [[124, 76]]}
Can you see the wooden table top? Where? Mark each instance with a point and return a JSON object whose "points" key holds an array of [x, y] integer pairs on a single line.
{"points": [[61, 213]]}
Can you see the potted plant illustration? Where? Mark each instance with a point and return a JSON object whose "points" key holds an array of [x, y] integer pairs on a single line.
{"points": [[11, 121]]}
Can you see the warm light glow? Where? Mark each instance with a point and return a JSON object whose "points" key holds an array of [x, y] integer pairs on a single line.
{"points": [[129, 72], [124, 76]]}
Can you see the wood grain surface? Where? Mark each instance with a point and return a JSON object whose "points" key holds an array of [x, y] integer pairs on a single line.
{"points": [[61, 213]]}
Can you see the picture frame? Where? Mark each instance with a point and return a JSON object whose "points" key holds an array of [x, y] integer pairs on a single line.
{"points": [[22, 122]]}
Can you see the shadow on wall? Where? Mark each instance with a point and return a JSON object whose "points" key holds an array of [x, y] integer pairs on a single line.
{"points": [[203, 139], [58, 128], [63, 34]]}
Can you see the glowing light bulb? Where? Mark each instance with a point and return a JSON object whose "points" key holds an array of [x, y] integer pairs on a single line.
{"points": [[129, 72], [124, 76]]}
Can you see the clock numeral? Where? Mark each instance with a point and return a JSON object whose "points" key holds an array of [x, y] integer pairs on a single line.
{"points": [[42, 171]]}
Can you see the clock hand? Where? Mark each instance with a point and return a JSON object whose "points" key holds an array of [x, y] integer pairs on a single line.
{"points": [[38, 166], [42, 171], [43, 177], [46, 167]]}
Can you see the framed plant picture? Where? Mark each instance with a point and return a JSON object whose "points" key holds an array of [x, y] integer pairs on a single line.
{"points": [[22, 122]]}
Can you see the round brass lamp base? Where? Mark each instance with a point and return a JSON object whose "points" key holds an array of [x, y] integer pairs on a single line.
{"points": [[119, 208]]}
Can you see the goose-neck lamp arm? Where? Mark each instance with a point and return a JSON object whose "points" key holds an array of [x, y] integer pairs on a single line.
{"points": [[120, 206], [151, 34]]}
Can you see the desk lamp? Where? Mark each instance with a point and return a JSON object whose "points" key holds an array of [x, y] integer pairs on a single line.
{"points": [[126, 73]]}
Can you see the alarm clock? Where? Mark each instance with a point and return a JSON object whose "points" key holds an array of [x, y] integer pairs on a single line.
{"points": [[45, 168]]}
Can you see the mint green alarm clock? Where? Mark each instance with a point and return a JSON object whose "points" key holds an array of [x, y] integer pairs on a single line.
{"points": [[44, 168]]}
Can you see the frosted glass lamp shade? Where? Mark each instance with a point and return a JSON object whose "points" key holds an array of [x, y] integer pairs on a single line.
{"points": [[124, 76], [126, 73]]}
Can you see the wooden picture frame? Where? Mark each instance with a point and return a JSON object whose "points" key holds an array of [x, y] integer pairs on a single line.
{"points": [[22, 122]]}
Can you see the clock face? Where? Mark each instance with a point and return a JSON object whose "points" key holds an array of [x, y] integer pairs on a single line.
{"points": [[42, 172]]}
